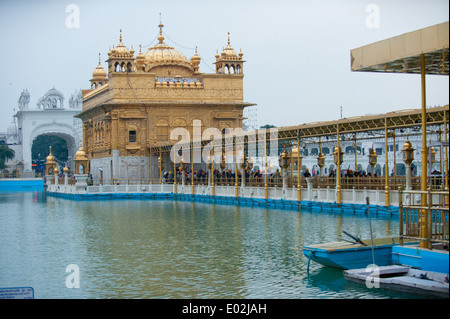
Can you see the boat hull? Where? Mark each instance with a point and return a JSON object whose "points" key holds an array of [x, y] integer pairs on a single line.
{"points": [[351, 258], [402, 278], [346, 255]]}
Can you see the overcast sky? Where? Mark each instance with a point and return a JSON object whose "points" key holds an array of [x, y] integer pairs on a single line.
{"points": [[297, 52]]}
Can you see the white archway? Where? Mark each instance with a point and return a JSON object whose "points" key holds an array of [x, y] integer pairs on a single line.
{"points": [[49, 117], [62, 130]]}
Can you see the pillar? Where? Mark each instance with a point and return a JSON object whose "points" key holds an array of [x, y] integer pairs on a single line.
{"points": [[423, 185]]}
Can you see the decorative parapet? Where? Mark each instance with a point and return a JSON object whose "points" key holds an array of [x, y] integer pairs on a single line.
{"points": [[178, 82]]}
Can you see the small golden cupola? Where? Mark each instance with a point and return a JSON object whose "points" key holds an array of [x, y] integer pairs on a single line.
{"points": [[50, 158], [120, 59], [195, 60], [50, 164], [229, 62], [140, 60], [81, 162], [99, 75]]}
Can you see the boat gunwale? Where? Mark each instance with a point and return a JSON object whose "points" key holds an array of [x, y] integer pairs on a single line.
{"points": [[309, 248]]}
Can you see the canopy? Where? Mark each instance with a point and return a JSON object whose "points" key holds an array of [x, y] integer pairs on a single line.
{"points": [[401, 54]]}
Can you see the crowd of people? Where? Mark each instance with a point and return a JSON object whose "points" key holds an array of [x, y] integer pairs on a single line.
{"points": [[351, 173], [201, 176]]}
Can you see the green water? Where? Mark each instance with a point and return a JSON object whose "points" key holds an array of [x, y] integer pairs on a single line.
{"points": [[173, 249]]}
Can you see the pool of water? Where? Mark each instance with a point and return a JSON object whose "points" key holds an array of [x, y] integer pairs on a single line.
{"points": [[173, 249]]}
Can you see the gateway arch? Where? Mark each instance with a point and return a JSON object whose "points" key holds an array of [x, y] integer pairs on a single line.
{"points": [[48, 117]]}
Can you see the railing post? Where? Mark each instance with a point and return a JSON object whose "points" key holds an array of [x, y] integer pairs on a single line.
{"points": [[400, 213], [429, 231]]}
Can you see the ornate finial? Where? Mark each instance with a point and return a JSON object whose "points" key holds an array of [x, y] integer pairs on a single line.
{"points": [[140, 48], [120, 38], [160, 26], [99, 59], [228, 38]]}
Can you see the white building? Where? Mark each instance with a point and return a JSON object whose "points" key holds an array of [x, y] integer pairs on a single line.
{"points": [[48, 117]]}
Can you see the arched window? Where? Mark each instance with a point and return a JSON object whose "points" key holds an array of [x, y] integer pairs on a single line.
{"points": [[116, 67], [129, 66], [225, 130], [132, 136], [349, 150]]}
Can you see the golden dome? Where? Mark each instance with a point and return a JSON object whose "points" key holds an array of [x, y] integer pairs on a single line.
{"points": [[140, 55], [80, 155], [121, 50], [196, 58], [66, 170], [228, 52], [50, 158], [56, 171], [162, 54], [99, 72]]}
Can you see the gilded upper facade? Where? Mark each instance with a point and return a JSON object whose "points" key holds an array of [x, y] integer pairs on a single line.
{"points": [[142, 96]]}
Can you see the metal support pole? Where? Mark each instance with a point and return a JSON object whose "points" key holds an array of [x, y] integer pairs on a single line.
{"points": [[299, 168], [356, 156], [446, 155], [151, 166], [423, 184], [395, 156], [236, 188], [174, 177], [192, 168], [386, 177], [338, 173], [291, 164], [160, 166], [213, 189], [400, 213], [266, 192]]}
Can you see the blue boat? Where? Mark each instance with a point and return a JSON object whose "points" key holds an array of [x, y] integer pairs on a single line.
{"points": [[353, 255]]}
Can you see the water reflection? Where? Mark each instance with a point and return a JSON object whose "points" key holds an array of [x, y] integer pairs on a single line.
{"points": [[170, 249]]}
